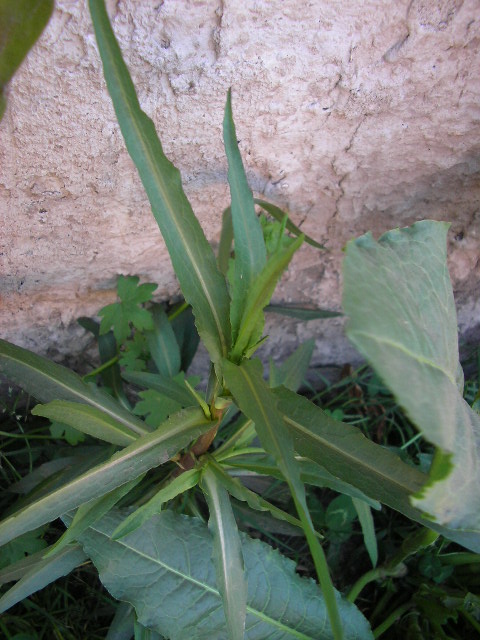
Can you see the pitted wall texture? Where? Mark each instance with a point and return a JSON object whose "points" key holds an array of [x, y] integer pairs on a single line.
{"points": [[355, 116]]}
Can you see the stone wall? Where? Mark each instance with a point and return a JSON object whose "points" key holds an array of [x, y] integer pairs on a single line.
{"points": [[355, 116]]}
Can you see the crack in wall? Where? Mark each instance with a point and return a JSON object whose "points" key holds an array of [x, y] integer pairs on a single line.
{"points": [[345, 175]]}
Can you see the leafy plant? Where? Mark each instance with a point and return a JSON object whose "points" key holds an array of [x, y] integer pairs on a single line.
{"points": [[136, 507]]}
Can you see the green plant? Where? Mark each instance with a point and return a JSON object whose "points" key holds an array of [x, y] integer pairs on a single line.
{"points": [[194, 447]]}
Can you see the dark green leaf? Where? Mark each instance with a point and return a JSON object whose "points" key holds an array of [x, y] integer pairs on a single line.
{"points": [[163, 344], [202, 284], [365, 517], [48, 381], [292, 371], [21, 23], [28, 543], [227, 554], [156, 407], [226, 241], [301, 313], [250, 253], [175, 552], [183, 325], [65, 432], [167, 386]]}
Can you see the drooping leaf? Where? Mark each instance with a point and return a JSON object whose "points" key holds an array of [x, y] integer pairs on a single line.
{"points": [[47, 381], [202, 284], [293, 370], [279, 215], [163, 344], [42, 573], [145, 453], [227, 554], [21, 23], [301, 313], [175, 487], [251, 325], [250, 252], [90, 420], [346, 453], [175, 552], [257, 401], [399, 301]]}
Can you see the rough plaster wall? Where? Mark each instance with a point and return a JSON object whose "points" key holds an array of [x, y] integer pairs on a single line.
{"points": [[353, 115]]}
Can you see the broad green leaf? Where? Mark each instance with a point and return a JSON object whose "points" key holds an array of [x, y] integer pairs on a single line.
{"points": [[174, 551], [347, 454], [162, 384], [292, 371], [251, 325], [301, 313], [227, 554], [399, 301], [365, 517], [144, 454], [257, 401], [250, 252], [163, 344], [47, 381], [88, 513], [279, 215], [42, 573], [108, 351], [175, 487], [21, 23], [236, 489], [90, 420], [202, 284]]}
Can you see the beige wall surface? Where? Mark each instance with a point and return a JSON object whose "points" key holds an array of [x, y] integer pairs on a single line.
{"points": [[355, 116]]}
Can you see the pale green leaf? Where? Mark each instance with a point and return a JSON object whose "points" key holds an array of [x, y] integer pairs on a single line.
{"points": [[89, 420], [291, 373], [251, 325], [47, 381], [399, 301], [175, 487], [347, 454], [122, 625], [203, 286], [163, 344], [42, 573], [145, 453], [279, 215], [250, 252], [365, 517], [174, 551], [227, 554]]}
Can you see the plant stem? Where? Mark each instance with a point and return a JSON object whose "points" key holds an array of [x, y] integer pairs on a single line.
{"points": [[392, 618], [101, 368], [379, 573]]}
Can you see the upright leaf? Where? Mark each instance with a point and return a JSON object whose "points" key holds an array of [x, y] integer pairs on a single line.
{"points": [[21, 23], [257, 401], [202, 284], [163, 345], [293, 370], [227, 554], [365, 517], [47, 381], [401, 310], [175, 552], [144, 454], [250, 252]]}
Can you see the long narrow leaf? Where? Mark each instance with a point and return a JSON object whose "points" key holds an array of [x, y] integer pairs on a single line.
{"points": [[344, 451], [175, 551], [42, 573], [226, 241], [193, 260], [365, 517], [257, 401], [145, 453], [227, 554], [301, 313], [156, 381], [163, 345], [279, 215], [89, 420], [47, 381], [251, 325], [250, 251]]}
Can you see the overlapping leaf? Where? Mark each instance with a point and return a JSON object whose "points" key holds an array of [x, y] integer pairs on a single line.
{"points": [[175, 551], [401, 310]]}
